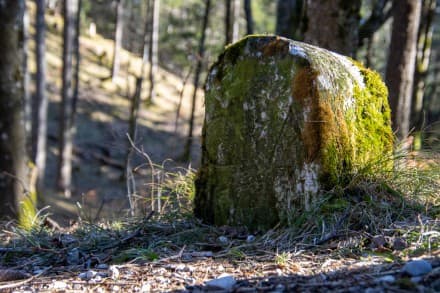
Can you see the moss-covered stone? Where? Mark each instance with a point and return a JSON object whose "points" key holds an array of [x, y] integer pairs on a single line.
{"points": [[285, 121]]}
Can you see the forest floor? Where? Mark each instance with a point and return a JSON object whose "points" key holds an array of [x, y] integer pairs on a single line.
{"points": [[186, 256], [100, 248]]}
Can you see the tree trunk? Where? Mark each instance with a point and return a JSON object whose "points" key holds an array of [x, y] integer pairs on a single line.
{"points": [[13, 174], [401, 62], [304, 121], [200, 56], [249, 18], [290, 18], [43, 102], [119, 26], [228, 17], [232, 15], [333, 25], [153, 54], [132, 133], [424, 41], [147, 32], [235, 21], [27, 102], [77, 62], [67, 100]]}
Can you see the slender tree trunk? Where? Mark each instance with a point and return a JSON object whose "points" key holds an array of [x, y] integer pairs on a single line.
{"points": [[119, 26], [132, 133], [154, 44], [201, 52], [333, 25], [290, 20], [232, 15], [401, 62], [27, 102], [179, 105], [228, 17], [235, 21], [369, 53], [77, 62], [424, 41], [147, 31], [67, 102], [249, 18], [40, 46], [13, 177]]}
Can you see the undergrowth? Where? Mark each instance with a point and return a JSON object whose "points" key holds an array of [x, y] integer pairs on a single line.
{"points": [[401, 202]]}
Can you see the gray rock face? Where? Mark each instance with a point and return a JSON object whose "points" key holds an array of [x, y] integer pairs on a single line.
{"points": [[283, 121], [224, 282], [417, 268]]}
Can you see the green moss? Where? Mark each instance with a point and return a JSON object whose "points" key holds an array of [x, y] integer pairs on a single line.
{"points": [[372, 131], [283, 123], [27, 213]]}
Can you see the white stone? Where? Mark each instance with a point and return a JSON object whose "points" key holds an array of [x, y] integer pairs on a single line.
{"points": [[224, 281]]}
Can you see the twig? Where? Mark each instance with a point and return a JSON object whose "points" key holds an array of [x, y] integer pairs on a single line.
{"points": [[150, 162], [129, 236], [13, 285], [177, 256]]}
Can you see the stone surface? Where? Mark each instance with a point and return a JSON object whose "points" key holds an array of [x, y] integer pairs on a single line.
{"points": [[283, 121], [417, 268], [224, 281]]}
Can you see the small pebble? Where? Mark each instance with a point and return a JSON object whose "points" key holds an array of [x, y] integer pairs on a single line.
{"points": [[146, 287], [224, 281], [416, 280], [250, 238], [59, 285], [279, 288], [387, 279], [223, 239], [87, 275], [102, 266], [399, 244], [417, 268], [114, 272]]}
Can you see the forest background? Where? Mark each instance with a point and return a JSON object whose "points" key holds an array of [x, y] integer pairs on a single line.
{"points": [[111, 85]]}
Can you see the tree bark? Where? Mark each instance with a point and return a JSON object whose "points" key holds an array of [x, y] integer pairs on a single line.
{"points": [[235, 21], [67, 102], [77, 62], [154, 44], [13, 177], [119, 26], [43, 102], [27, 102], [424, 41], [401, 62], [147, 29], [200, 56], [228, 17], [333, 25], [290, 18], [249, 17]]}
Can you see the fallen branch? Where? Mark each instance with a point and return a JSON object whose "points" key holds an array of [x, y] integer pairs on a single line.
{"points": [[20, 283]]}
